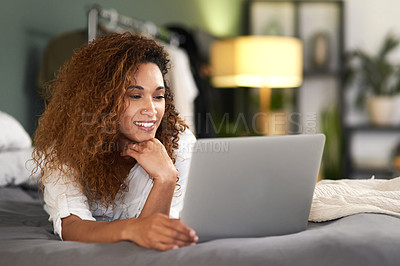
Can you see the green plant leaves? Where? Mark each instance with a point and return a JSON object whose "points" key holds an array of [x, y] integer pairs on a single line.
{"points": [[374, 74]]}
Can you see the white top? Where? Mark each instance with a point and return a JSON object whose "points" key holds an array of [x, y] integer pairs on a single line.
{"points": [[65, 198]]}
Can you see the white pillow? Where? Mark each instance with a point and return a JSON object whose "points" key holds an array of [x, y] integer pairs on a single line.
{"points": [[12, 135], [16, 167]]}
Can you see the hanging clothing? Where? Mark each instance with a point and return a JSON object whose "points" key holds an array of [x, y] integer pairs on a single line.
{"points": [[57, 52], [182, 85], [207, 100]]}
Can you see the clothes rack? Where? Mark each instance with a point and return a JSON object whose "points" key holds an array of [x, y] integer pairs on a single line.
{"points": [[115, 22]]}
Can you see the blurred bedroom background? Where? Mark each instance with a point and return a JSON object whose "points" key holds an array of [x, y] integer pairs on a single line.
{"points": [[351, 60]]}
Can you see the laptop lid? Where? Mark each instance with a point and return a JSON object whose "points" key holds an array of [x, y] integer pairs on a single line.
{"points": [[251, 186]]}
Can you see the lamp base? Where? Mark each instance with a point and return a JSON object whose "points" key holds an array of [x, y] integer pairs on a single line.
{"points": [[263, 116], [270, 123]]}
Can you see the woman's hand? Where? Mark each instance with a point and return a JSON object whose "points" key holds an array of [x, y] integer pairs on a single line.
{"points": [[154, 159], [159, 232]]}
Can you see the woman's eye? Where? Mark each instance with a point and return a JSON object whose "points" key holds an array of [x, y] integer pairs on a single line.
{"points": [[159, 97], [135, 96]]}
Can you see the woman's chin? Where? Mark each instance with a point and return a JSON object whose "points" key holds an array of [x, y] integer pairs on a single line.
{"points": [[142, 137]]}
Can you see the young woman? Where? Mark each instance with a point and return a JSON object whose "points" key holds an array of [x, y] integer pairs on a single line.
{"points": [[112, 150]]}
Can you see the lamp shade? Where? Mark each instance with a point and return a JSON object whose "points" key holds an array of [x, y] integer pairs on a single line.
{"points": [[257, 61]]}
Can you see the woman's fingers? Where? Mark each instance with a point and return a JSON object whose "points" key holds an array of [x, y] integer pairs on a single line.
{"points": [[174, 231], [160, 232], [172, 240], [180, 231], [164, 247], [132, 149], [168, 235]]}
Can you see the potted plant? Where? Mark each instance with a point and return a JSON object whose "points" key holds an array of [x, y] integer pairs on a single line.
{"points": [[378, 80]]}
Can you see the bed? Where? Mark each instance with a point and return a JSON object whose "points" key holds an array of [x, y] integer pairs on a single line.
{"points": [[26, 238], [26, 235]]}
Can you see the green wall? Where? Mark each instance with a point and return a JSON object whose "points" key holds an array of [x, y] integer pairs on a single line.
{"points": [[27, 25]]}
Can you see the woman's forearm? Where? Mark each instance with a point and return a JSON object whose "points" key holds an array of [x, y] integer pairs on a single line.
{"points": [[159, 199], [155, 231], [76, 229]]}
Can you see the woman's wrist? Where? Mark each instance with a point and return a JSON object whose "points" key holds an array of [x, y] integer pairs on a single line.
{"points": [[167, 178], [160, 197], [125, 232]]}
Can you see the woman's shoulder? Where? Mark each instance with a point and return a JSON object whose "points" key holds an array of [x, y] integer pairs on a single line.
{"points": [[185, 144], [186, 136]]}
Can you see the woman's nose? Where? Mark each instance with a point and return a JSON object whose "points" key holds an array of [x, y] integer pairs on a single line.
{"points": [[149, 108]]}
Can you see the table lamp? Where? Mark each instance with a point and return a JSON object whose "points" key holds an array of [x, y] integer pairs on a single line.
{"points": [[263, 62]]}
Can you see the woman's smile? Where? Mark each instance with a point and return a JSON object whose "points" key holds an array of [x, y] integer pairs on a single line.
{"points": [[145, 125]]}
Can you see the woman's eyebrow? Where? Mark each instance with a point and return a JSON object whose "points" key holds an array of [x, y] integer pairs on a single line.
{"points": [[141, 88], [135, 87]]}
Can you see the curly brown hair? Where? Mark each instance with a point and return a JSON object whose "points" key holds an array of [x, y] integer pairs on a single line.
{"points": [[79, 128]]}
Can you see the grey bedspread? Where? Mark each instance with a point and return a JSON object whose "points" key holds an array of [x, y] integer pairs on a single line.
{"points": [[364, 239]]}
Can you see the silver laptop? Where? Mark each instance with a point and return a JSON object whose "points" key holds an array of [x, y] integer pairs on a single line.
{"points": [[251, 186]]}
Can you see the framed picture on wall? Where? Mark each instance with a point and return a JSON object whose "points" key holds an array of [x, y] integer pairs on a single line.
{"points": [[271, 18], [320, 35]]}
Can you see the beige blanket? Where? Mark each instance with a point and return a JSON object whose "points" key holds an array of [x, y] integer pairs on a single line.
{"points": [[338, 198]]}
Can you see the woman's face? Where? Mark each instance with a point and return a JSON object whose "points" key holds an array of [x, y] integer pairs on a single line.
{"points": [[144, 104]]}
